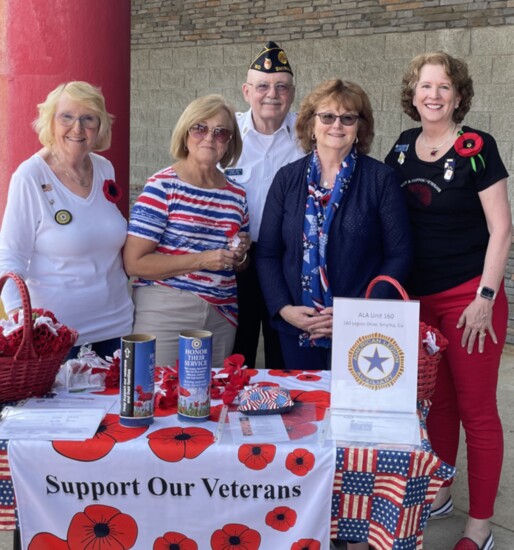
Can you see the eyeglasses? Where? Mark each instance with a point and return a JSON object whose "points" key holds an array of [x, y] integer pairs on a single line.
{"points": [[264, 88], [330, 118], [200, 131], [91, 122]]}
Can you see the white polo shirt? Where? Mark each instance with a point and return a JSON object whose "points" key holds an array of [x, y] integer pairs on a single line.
{"points": [[262, 157]]}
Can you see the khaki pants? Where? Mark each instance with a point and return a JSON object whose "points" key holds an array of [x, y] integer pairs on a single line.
{"points": [[165, 312]]}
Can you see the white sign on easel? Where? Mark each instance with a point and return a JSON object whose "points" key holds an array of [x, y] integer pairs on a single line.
{"points": [[374, 371]]}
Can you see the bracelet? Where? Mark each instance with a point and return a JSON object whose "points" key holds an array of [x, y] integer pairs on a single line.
{"points": [[241, 262]]}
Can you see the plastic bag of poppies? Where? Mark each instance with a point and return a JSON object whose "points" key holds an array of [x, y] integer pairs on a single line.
{"points": [[431, 344], [33, 344]]}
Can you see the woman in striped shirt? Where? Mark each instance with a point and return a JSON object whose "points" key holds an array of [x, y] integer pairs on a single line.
{"points": [[188, 234]]}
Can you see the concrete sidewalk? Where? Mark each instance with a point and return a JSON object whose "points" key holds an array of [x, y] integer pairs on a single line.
{"points": [[443, 534]]}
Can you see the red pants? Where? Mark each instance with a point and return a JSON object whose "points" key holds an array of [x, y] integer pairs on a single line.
{"points": [[466, 392]]}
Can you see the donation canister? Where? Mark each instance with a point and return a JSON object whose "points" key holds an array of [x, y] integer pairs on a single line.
{"points": [[137, 379], [194, 375]]}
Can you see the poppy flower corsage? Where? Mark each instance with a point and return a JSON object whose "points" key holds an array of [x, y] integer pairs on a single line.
{"points": [[469, 144], [112, 191]]}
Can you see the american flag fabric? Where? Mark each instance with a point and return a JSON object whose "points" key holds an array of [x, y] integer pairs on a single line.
{"points": [[384, 496], [8, 519]]}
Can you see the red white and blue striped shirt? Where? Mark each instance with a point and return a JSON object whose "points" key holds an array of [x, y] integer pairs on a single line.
{"points": [[185, 219]]}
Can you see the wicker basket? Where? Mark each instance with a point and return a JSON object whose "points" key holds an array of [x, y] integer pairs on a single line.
{"points": [[427, 364], [25, 374]]}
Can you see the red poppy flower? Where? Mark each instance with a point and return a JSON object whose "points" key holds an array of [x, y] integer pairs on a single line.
{"points": [[234, 361], [99, 527], [306, 544], [298, 430], [300, 462], [216, 411], [47, 541], [325, 199], [175, 444], [308, 377], [234, 378], [174, 541], [108, 434], [161, 410], [284, 373], [468, 144], [267, 384], [319, 398], [281, 518], [235, 536], [112, 191], [256, 457]]}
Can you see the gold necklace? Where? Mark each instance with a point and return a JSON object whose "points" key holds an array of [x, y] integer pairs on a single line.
{"points": [[435, 150], [74, 178]]}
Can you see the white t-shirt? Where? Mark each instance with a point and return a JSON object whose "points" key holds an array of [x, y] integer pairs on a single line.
{"points": [[75, 270], [262, 157]]}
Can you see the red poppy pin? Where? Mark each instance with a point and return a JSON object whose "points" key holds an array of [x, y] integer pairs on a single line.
{"points": [[112, 191], [469, 144]]}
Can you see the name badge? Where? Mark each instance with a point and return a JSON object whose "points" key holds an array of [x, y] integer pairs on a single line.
{"points": [[401, 147], [234, 172]]}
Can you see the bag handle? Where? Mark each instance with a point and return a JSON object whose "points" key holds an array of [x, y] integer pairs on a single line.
{"points": [[26, 349], [386, 279]]}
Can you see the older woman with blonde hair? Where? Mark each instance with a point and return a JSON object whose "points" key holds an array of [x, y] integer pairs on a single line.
{"points": [[61, 229], [333, 220], [188, 235]]}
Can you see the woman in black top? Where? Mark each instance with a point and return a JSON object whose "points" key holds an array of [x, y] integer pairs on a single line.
{"points": [[456, 189]]}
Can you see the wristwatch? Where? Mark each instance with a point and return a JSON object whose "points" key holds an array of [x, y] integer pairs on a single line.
{"points": [[486, 293]]}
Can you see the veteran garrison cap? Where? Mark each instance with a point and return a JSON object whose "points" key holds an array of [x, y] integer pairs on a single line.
{"points": [[271, 59]]}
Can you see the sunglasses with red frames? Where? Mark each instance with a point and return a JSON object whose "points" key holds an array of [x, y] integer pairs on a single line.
{"points": [[200, 131]]}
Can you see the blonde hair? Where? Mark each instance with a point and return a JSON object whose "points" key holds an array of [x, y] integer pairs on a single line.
{"points": [[347, 95], [200, 110], [84, 94]]}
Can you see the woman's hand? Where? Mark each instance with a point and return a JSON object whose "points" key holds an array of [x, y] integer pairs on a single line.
{"points": [[141, 260], [322, 324], [477, 322], [301, 317], [240, 245], [220, 259]]}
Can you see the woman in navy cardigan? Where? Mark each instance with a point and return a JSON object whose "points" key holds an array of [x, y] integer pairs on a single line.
{"points": [[333, 220]]}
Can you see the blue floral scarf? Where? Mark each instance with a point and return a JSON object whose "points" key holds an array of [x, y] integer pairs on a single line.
{"points": [[320, 209]]}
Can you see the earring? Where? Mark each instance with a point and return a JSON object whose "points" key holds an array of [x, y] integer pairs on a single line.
{"points": [[313, 137], [356, 140]]}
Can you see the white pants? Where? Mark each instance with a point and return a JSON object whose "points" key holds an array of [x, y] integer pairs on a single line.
{"points": [[165, 312]]}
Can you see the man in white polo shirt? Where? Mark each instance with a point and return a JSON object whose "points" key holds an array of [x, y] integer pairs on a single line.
{"points": [[269, 142]]}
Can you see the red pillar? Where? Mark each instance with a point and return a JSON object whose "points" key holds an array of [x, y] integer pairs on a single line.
{"points": [[46, 42]]}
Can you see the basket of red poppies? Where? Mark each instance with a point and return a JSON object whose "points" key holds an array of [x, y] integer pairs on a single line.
{"points": [[33, 345], [431, 344]]}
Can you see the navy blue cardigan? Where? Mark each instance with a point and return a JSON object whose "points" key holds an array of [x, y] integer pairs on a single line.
{"points": [[369, 236]]}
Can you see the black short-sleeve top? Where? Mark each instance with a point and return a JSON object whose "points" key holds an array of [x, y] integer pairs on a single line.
{"points": [[449, 228]]}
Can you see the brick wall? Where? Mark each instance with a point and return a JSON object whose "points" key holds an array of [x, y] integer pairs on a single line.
{"points": [[201, 22], [183, 49]]}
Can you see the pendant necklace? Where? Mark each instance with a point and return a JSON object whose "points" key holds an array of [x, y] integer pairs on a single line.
{"points": [[325, 184], [74, 178], [435, 150]]}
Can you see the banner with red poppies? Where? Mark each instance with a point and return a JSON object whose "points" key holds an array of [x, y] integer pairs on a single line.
{"points": [[170, 485]]}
